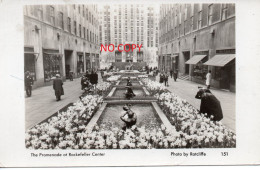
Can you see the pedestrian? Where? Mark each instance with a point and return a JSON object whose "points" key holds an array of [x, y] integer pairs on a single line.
{"points": [[83, 80], [95, 77], [209, 105], [91, 77], [161, 78], [208, 79], [102, 73], [57, 86], [166, 76], [71, 75], [175, 74], [171, 73], [28, 81]]}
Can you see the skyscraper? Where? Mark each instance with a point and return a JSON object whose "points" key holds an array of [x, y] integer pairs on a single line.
{"points": [[129, 24]]}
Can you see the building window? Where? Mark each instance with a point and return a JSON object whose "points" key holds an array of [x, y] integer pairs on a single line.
{"points": [[90, 36], [185, 27], [84, 32], [69, 24], [191, 23], [75, 27], [61, 20], [87, 35], [79, 8], [210, 14], [52, 17], [200, 20], [87, 13], [224, 12], [40, 13], [83, 11], [79, 30]]}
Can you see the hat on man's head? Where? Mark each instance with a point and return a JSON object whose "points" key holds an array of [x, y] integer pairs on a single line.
{"points": [[57, 75]]}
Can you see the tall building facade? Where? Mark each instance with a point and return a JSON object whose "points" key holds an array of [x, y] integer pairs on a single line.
{"points": [[196, 38], [60, 39], [130, 24]]}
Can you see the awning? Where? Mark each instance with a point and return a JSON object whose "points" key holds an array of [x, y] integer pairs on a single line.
{"points": [[33, 53], [220, 60], [30, 53], [173, 56], [56, 54], [195, 59]]}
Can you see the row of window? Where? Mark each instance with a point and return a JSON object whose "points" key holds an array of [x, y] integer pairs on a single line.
{"points": [[37, 11], [175, 29]]}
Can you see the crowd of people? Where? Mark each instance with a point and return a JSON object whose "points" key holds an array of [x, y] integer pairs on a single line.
{"points": [[164, 76], [89, 82]]}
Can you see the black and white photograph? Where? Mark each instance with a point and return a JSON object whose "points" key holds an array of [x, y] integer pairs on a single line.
{"points": [[130, 76], [129, 83]]}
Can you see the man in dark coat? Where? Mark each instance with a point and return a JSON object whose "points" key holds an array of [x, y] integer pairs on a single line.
{"points": [[57, 86], [209, 104], [161, 78], [171, 73], [175, 74], [28, 82]]}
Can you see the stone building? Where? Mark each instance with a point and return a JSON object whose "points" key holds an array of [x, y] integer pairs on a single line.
{"points": [[60, 39], [195, 38], [130, 24]]}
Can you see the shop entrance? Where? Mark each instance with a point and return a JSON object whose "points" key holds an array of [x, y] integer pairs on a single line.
{"points": [[227, 76], [186, 56], [29, 64], [68, 62]]}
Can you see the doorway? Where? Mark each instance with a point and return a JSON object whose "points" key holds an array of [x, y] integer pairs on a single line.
{"points": [[186, 56], [68, 62]]}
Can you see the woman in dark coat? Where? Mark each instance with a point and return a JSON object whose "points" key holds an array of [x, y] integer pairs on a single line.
{"points": [[161, 78]]}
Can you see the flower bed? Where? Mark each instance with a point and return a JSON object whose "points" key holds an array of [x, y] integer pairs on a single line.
{"points": [[61, 131], [153, 87], [113, 78], [103, 88], [199, 130]]}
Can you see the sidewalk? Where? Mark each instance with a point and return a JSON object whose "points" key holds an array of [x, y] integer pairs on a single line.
{"points": [[43, 104], [188, 89]]}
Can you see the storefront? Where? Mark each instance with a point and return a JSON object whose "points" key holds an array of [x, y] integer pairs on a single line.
{"points": [[225, 71], [80, 63], [30, 58], [168, 63], [52, 64], [174, 62], [88, 61], [199, 70]]}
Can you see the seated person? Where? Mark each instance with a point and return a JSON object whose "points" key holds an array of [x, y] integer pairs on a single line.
{"points": [[129, 118], [129, 93], [128, 83]]}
